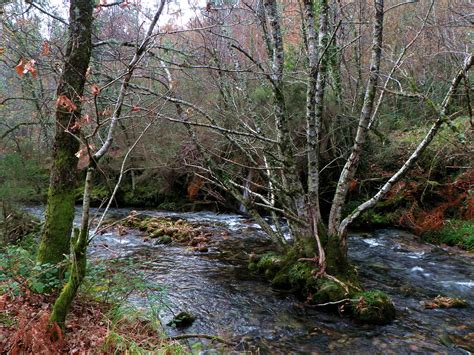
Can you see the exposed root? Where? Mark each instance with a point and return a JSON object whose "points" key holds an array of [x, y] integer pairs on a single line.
{"points": [[336, 280]]}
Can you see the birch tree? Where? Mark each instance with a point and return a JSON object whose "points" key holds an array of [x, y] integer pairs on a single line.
{"points": [[319, 237]]}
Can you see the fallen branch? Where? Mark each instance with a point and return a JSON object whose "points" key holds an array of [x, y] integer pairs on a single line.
{"points": [[335, 302], [203, 336]]}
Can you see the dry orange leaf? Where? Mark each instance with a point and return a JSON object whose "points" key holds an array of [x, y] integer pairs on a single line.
{"points": [[26, 67], [20, 68], [95, 89], [66, 103], [30, 67], [46, 50]]}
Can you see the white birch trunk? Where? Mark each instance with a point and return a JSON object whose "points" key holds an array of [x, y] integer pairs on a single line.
{"points": [[352, 162], [468, 63]]}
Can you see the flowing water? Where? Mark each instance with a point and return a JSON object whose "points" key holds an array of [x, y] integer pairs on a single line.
{"points": [[230, 302]]}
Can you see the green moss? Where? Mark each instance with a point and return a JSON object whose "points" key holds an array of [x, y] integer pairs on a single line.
{"points": [[455, 233], [165, 239], [252, 266], [301, 276], [328, 291], [182, 320], [157, 233], [281, 280], [6, 320], [373, 307], [269, 261], [56, 233], [76, 275], [381, 216]]}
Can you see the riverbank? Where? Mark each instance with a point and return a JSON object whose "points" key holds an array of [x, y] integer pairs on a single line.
{"points": [[99, 321], [162, 280]]}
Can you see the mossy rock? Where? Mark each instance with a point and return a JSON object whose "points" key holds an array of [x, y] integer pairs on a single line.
{"points": [[328, 291], [281, 281], [164, 239], [253, 266], [182, 320], [157, 233], [143, 225], [269, 263], [446, 302], [179, 231], [373, 307], [301, 276]]}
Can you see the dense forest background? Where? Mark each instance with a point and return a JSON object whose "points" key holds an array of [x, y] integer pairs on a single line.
{"points": [[216, 65]]}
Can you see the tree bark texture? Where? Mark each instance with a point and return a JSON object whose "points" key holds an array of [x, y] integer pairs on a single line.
{"points": [[55, 238]]}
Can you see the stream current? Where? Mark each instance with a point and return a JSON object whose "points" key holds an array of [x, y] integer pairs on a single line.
{"points": [[230, 302]]}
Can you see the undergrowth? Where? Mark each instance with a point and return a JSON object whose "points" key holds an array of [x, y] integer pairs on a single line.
{"points": [[453, 233], [114, 324]]}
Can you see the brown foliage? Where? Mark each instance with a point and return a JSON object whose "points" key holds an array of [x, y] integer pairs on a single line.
{"points": [[28, 330], [65, 102], [194, 186], [36, 335], [452, 195], [446, 302]]}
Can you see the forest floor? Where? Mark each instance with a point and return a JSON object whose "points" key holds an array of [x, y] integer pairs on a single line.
{"points": [[24, 328]]}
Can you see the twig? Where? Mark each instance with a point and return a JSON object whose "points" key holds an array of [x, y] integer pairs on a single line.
{"points": [[335, 302], [204, 336]]}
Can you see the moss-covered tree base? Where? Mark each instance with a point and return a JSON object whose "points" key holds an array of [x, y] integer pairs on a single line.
{"points": [[342, 292]]}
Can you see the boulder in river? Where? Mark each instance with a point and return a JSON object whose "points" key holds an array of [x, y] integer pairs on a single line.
{"points": [[182, 320]]}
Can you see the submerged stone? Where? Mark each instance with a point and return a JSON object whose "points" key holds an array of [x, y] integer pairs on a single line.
{"points": [[182, 320]]}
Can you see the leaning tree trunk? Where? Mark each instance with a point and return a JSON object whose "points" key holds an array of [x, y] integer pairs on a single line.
{"points": [[413, 158], [352, 162], [55, 238]]}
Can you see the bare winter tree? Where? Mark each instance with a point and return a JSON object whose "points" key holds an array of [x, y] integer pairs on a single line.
{"points": [[275, 187]]}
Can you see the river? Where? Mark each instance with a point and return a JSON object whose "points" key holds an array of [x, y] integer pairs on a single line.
{"points": [[231, 302]]}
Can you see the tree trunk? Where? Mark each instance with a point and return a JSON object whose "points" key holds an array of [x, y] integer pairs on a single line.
{"points": [[352, 162], [293, 195], [79, 260], [314, 107], [55, 238], [407, 166]]}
